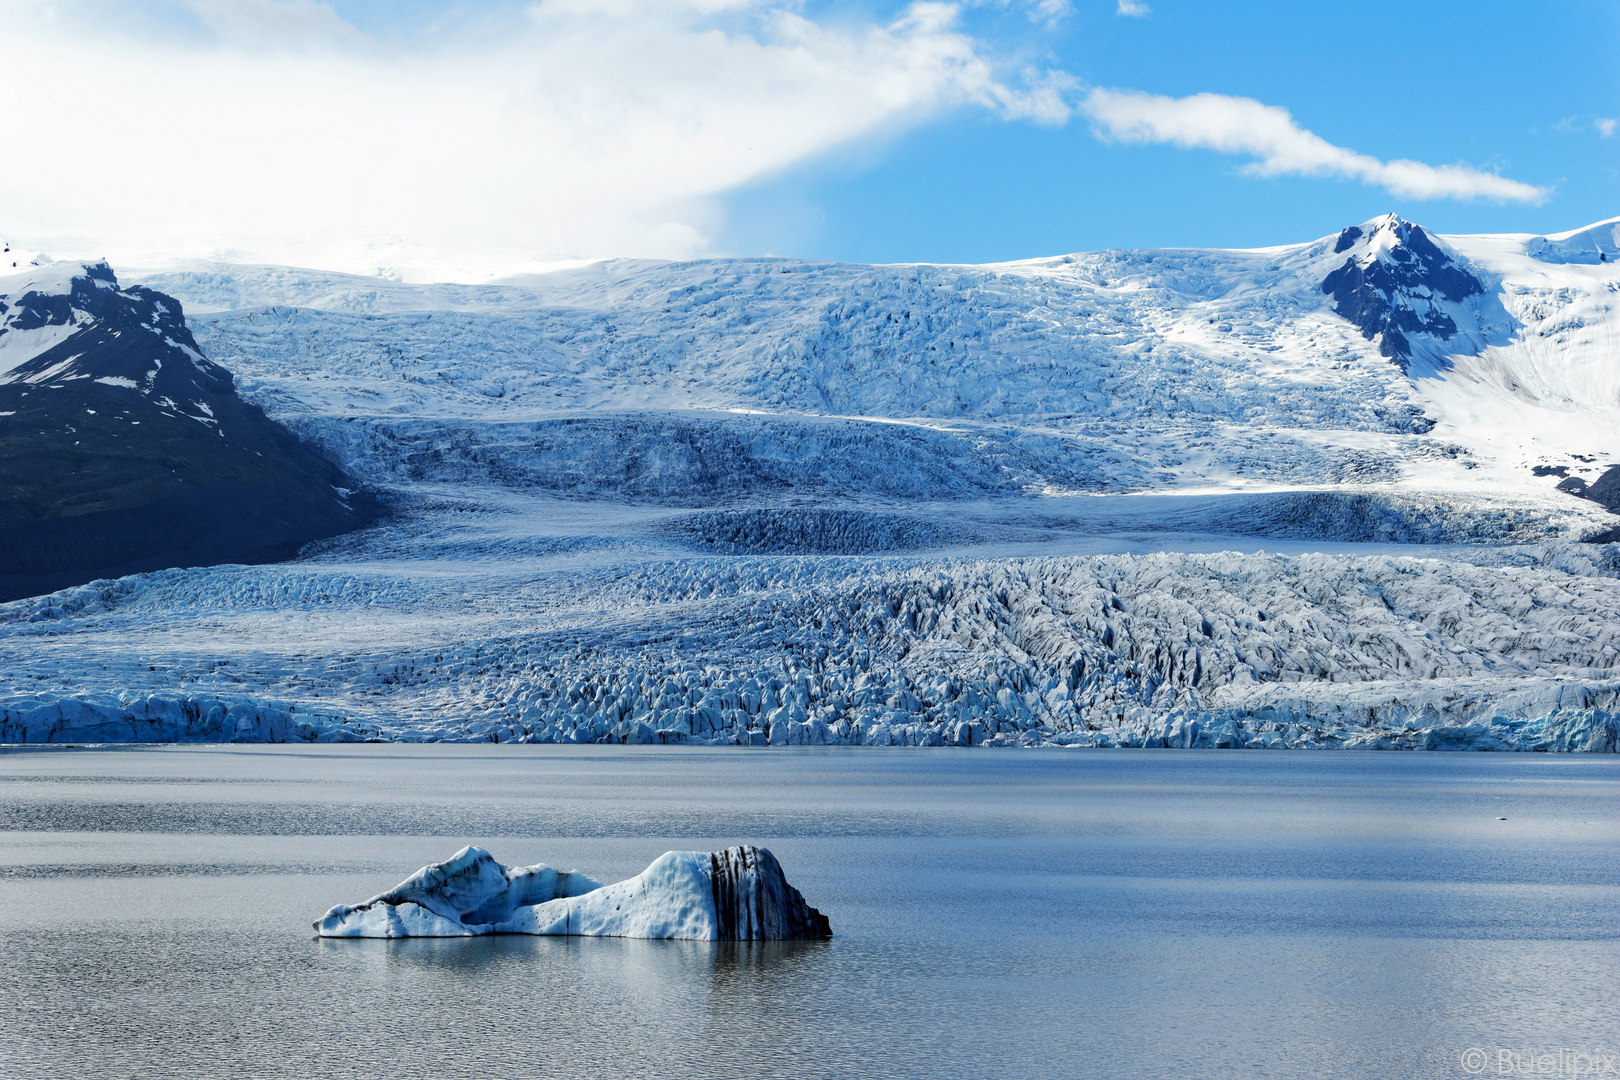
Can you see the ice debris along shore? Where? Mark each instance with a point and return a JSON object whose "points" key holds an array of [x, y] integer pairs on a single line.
{"points": [[739, 894]]}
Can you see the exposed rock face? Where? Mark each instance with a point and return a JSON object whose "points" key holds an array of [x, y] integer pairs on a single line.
{"points": [[1605, 491], [1396, 282], [754, 902], [739, 894], [123, 448]]}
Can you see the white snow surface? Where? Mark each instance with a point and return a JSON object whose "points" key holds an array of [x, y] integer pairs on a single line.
{"points": [[769, 501], [1594, 244], [17, 347], [672, 898], [1109, 371]]}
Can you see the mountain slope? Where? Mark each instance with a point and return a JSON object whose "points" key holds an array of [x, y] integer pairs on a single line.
{"points": [[123, 449], [1397, 284], [1380, 358]]}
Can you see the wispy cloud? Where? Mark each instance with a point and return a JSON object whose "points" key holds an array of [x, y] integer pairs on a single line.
{"points": [[1234, 125], [1050, 12], [274, 129], [1605, 125], [1133, 9], [269, 23]]}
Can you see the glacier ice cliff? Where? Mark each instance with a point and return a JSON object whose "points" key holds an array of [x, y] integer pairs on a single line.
{"points": [[739, 894], [1483, 647]]}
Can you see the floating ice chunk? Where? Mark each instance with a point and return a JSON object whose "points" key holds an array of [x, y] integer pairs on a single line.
{"points": [[466, 894], [739, 894]]}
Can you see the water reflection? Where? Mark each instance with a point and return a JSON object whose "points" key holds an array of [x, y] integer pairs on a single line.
{"points": [[633, 960], [633, 1007], [1101, 915], [719, 980]]}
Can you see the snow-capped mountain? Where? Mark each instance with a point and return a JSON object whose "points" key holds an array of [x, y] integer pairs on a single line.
{"points": [[124, 448], [1397, 284], [77, 324], [759, 500]]}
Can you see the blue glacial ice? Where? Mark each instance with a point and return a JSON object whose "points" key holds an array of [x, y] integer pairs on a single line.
{"points": [[739, 894]]}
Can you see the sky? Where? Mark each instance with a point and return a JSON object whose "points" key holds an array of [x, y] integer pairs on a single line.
{"points": [[458, 140]]}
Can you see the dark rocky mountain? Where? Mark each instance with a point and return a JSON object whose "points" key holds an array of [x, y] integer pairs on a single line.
{"points": [[1605, 489], [1396, 282], [124, 449]]}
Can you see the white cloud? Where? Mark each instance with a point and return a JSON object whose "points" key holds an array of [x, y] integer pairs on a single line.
{"points": [[274, 22], [1605, 125], [272, 129], [1050, 12], [1234, 125], [278, 131], [1133, 9]]}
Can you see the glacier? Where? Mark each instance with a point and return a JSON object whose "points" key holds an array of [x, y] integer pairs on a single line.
{"points": [[739, 894], [1171, 498]]}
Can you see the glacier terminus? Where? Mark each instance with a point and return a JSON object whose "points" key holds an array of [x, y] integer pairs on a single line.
{"points": [[1359, 492]]}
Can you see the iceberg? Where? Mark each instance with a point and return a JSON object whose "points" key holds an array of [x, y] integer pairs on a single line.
{"points": [[739, 894]]}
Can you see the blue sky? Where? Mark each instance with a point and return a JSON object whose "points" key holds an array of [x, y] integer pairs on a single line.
{"points": [[495, 134], [1519, 88]]}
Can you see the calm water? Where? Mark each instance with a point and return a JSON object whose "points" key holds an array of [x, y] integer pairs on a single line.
{"points": [[998, 914]]}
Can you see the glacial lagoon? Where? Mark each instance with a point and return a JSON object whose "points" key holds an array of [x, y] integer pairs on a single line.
{"points": [[1054, 913]]}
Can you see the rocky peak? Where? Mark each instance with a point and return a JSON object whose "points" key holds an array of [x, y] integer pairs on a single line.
{"points": [[85, 327], [123, 448], [1396, 282], [55, 296]]}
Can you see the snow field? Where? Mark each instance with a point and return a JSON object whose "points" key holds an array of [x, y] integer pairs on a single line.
{"points": [[1061, 362], [1101, 372]]}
